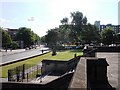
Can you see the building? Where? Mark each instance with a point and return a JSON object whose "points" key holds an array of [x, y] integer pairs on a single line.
{"points": [[12, 33], [97, 23], [115, 28]]}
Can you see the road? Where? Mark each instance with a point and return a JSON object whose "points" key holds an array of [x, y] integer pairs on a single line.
{"points": [[22, 55]]}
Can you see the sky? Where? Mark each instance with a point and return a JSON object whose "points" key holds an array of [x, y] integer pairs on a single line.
{"points": [[42, 15], [119, 12]]}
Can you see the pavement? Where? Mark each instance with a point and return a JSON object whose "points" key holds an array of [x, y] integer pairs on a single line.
{"points": [[79, 79], [113, 72], [45, 79], [3, 53], [9, 52], [20, 54]]}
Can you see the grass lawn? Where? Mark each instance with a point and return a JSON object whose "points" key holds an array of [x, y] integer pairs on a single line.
{"points": [[62, 55]]}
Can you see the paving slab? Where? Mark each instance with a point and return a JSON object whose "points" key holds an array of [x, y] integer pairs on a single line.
{"points": [[113, 60], [79, 79], [45, 80]]}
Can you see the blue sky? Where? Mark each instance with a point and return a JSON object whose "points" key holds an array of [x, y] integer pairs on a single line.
{"points": [[41, 15]]}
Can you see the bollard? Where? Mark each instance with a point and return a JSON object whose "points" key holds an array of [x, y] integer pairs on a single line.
{"points": [[9, 75], [75, 55], [23, 74], [42, 51], [27, 77], [17, 72], [37, 69]]}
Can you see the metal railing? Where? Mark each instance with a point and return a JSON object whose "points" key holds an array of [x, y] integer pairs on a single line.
{"points": [[25, 72]]}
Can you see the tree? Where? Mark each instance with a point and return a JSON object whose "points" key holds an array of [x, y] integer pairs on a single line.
{"points": [[78, 22], [117, 38], [42, 40], [64, 21], [36, 39], [64, 31], [27, 36], [78, 19], [14, 45], [52, 37], [6, 39], [107, 36], [90, 33]]}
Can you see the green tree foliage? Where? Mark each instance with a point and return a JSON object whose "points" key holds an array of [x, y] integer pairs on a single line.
{"points": [[36, 38], [75, 32], [42, 39], [90, 33], [107, 36], [78, 21], [64, 21], [78, 31], [27, 36], [64, 31], [14, 45], [52, 37], [6, 39]]}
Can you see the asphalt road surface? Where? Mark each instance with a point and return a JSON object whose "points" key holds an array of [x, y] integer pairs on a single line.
{"points": [[22, 55]]}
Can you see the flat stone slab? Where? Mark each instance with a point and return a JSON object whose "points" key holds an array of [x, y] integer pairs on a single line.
{"points": [[79, 79], [45, 80], [113, 60]]}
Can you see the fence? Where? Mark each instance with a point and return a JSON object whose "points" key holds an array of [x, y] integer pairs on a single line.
{"points": [[27, 72], [24, 73]]}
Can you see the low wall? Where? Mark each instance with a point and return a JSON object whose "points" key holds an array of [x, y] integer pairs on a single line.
{"points": [[60, 83], [59, 66], [91, 51], [79, 79], [108, 49], [91, 74]]}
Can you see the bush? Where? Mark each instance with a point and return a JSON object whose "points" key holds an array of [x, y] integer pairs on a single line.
{"points": [[14, 45]]}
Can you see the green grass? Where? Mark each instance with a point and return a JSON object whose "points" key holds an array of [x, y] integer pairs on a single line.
{"points": [[33, 74], [62, 55]]}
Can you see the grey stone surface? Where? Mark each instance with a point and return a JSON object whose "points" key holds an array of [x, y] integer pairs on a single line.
{"points": [[79, 79], [45, 80], [112, 71], [21, 55]]}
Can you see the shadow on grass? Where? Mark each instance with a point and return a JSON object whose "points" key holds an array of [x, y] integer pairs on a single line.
{"points": [[61, 50], [76, 50], [3, 77]]}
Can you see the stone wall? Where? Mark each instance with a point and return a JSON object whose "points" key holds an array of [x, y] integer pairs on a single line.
{"points": [[58, 84], [60, 66], [91, 74]]}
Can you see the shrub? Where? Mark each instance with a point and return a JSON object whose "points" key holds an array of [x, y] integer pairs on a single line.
{"points": [[14, 45]]}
